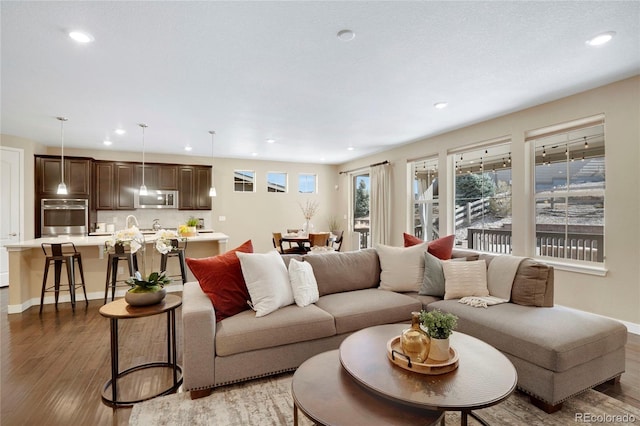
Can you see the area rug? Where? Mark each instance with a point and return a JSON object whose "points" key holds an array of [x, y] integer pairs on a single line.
{"points": [[267, 402]]}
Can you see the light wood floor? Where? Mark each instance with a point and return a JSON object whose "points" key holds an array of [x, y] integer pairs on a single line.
{"points": [[54, 365]]}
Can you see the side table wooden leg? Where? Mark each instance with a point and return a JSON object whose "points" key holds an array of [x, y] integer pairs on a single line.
{"points": [[295, 414], [114, 361]]}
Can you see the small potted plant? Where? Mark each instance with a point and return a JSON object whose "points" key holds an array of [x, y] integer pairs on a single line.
{"points": [[146, 291], [189, 228], [439, 326]]}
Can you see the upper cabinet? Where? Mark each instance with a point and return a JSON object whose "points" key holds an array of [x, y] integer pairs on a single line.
{"points": [[158, 176], [193, 187], [77, 176]]}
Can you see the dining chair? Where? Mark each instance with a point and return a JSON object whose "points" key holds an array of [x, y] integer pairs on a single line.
{"points": [[277, 243], [319, 239], [337, 243]]}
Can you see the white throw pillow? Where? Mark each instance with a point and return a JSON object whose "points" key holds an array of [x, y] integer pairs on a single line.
{"points": [[463, 279], [267, 281], [303, 283], [402, 268]]}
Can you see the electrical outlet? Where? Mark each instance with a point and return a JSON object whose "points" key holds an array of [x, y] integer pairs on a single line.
{"points": [[222, 218], [120, 270]]}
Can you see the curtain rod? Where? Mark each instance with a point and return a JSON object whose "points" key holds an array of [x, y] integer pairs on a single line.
{"points": [[370, 165]]}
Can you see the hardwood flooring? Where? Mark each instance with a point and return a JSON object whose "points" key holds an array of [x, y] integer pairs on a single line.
{"points": [[54, 365]]}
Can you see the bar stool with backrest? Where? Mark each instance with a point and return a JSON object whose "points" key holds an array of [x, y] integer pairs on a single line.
{"points": [[59, 254], [176, 251], [337, 243], [116, 254]]}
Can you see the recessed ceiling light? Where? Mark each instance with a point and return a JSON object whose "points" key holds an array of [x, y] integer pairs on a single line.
{"points": [[346, 35], [601, 39], [107, 142], [81, 37], [271, 140], [188, 148], [120, 132], [350, 148], [254, 154], [440, 105]]}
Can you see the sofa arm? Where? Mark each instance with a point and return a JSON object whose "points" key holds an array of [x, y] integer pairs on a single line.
{"points": [[199, 332]]}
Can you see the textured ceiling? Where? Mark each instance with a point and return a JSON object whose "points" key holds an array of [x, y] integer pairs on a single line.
{"points": [[252, 71]]}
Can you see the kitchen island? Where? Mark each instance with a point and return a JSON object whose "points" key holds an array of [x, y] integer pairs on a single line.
{"points": [[26, 266]]}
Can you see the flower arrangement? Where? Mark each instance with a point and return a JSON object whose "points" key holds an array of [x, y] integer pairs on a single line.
{"points": [[131, 237], [163, 240], [439, 325], [309, 209]]}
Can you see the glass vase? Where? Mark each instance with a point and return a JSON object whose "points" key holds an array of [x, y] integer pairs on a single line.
{"points": [[414, 341]]}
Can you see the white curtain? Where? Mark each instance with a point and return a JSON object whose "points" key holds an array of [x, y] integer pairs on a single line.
{"points": [[380, 204]]}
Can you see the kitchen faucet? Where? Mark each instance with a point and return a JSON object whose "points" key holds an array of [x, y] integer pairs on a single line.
{"points": [[129, 218], [156, 225]]}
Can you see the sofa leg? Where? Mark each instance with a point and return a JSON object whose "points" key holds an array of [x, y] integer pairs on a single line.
{"points": [[201, 393], [614, 381], [545, 406]]}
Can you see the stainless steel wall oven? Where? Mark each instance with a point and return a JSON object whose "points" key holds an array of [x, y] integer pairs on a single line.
{"points": [[64, 216]]}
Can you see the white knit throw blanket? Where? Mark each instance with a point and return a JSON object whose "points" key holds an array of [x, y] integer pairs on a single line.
{"points": [[500, 274]]}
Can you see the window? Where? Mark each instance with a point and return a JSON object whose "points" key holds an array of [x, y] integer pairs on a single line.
{"points": [[569, 192], [244, 180], [424, 203], [307, 183], [276, 182], [483, 197], [360, 208]]}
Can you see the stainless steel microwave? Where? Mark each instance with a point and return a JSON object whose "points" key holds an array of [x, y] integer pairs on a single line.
{"points": [[156, 200]]}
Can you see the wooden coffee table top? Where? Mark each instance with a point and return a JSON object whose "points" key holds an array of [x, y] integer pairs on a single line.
{"points": [[483, 378], [120, 309], [326, 393]]}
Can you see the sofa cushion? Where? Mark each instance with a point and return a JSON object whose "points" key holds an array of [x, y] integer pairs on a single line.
{"points": [[440, 248], [433, 280], [556, 339], [530, 283], [303, 283], [425, 300], [402, 268], [267, 280], [354, 310], [245, 332], [463, 279], [220, 277], [345, 271]]}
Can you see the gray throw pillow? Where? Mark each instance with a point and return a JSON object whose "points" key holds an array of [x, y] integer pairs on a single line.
{"points": [[433, 281]]}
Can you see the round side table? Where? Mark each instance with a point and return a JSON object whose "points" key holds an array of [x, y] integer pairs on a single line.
{"points": [[120, 309]]}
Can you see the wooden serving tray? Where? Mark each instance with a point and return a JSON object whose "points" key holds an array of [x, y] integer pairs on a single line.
{"points": [[431, 367]]}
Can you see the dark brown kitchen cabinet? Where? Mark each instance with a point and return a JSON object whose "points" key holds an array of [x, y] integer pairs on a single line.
{"points": [[167, 177], [77, 176], [105, 185], [193, 185], [114, 185], [150, 176], [124, 186]]}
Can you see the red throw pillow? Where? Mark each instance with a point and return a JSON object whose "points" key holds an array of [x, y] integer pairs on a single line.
{"points": [[221, 278], [410, 240], [440, 248]]}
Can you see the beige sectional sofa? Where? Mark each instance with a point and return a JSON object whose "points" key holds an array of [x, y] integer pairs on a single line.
{"points": [[557, 352]]}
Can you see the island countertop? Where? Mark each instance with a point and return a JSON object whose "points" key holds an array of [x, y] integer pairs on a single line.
{"points": [[99, 240], [26, 266]]}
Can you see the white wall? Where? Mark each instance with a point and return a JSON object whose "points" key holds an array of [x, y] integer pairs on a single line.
{"points": [[615, 295]]}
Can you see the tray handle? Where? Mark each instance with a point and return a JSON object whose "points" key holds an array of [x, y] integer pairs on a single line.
{"points": [[394, 352]]}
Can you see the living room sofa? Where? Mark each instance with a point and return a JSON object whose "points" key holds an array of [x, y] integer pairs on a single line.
{"points": [[558, 352]]}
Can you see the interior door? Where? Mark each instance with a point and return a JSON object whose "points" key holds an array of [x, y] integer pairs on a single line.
{"points": [[11, 160]]}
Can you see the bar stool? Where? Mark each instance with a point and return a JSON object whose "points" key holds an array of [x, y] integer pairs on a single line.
{"points": [[59, 253], [176, 251], [118, 253]]}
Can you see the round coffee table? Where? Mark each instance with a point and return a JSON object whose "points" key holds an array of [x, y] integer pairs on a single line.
{"points": [[484, 376], [327, 395]]}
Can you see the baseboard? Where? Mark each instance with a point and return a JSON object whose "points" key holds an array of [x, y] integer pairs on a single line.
{"points": [[96, 295], [632, 328]]}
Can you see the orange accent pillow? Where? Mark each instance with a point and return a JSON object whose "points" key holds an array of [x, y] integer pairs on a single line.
{"points": [[440, 248], [221, 278]]}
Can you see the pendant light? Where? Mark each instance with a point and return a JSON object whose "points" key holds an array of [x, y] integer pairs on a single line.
{"points": [[212, 190], [62, 187], [143, 187]]}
